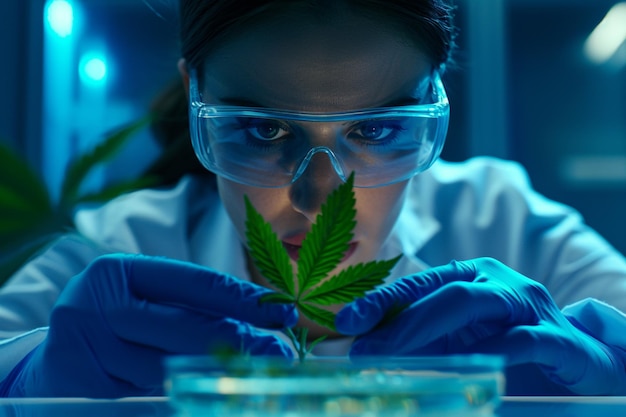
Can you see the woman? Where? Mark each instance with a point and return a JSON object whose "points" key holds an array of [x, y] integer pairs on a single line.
{"points": [[262, 78]]}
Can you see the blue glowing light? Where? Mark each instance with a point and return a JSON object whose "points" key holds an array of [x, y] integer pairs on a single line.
{"points": [[60, 17], [93, 69]]}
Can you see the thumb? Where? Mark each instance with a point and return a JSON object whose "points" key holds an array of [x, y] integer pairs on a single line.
{"points": [[362, 315]]}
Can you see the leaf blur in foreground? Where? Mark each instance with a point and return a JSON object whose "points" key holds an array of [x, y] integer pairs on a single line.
{"points": [[29, 220]]}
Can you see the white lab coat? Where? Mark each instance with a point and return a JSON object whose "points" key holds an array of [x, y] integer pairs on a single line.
{"points": [[481, 207]]}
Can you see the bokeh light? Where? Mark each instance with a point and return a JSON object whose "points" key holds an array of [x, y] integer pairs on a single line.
{"points": [[60, 17]]}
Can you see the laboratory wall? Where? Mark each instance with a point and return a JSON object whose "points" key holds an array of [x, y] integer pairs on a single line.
{"points": [[542, 82]]}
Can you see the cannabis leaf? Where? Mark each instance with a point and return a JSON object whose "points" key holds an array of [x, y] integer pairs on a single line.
{"points": [[322, 250], [329, 239], [351, 283], [268, 252]]}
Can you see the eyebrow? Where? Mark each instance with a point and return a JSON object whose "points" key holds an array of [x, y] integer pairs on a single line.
{"points": [[243, 102], [402, 101]]}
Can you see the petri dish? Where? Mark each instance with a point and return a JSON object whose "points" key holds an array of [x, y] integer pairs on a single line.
{"points": [[459, 385]]}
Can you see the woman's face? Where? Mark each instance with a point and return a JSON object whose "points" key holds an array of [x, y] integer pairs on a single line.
{"points": [[297, 62]]}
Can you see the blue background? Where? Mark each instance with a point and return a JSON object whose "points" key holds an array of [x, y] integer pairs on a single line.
{"points": [[522, 89]]}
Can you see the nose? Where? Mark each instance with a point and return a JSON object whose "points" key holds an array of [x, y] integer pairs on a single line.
{"points": [[317, 179]]}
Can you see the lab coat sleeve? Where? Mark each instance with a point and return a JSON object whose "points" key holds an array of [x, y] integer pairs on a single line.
{"points": [[488, 207], [600, 320], [13, 350], [553, 244], [27, 298]]}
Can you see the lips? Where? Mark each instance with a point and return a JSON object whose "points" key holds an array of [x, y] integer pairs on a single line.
{"points": [[292, 250], [293, 244]]}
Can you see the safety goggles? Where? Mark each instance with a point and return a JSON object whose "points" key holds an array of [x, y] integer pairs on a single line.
{"points": [[273, 148]]}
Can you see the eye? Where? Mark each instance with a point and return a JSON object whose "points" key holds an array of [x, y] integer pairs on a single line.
{"points": [[265, 129], [373, 130], [376, 130]]}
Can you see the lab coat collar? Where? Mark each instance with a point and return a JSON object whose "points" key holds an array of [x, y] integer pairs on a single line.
{"points": [[216, 244], [415, 226]]}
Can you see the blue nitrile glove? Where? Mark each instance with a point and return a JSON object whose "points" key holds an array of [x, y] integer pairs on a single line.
{"points": [[114, 323], [482, 306]]}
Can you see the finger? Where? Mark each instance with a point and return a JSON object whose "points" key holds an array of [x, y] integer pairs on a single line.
{"points": [[579, 364], [364, 314], [364, 346], [521, 344], [176, 330], [543, 344], [448, 344], [181, 283], [449, 310], [128, 351], [139, 366], [102, 360]]}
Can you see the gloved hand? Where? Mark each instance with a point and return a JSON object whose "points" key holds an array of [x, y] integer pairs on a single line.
{"points": [[114, 323], [482, 306]]}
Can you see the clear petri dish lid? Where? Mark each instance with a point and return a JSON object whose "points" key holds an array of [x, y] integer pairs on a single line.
{"points": [[335, 386]]}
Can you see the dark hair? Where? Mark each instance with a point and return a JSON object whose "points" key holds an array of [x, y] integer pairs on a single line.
{"points": [[170, 129], [204, 24]]}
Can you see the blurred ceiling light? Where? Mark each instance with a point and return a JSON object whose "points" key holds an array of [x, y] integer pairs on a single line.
{"points": [[608, 36], [93, 68], [60, 17]]}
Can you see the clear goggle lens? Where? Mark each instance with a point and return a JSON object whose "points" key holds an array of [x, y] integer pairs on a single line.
{"points": [[273, 148]]}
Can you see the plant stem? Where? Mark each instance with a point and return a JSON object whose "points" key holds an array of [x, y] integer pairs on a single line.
{"points": [[299, 341], [298, 337]]}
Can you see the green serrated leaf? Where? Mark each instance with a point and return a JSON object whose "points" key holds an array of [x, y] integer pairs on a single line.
{"points": [[321, 252], [14, 202], [276, 297], [12, 232], [267, 251], [315, 343], [78, 169], [16, 175], [327, 242], [118, 189], [351, 283], [318, 315], [11, 262], [17, 225], [22, 234]]}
